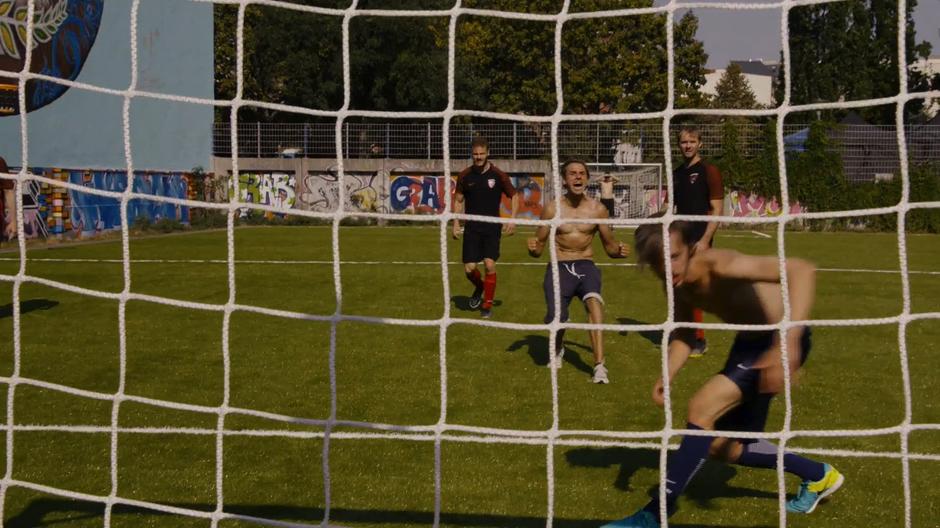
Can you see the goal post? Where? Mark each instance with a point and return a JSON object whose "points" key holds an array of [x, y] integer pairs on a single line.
{"points": [[638, 187]]}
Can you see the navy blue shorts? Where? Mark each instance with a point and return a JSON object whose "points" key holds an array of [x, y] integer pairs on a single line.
{"points": [[751, 415], [481, 242], [576, 278]]}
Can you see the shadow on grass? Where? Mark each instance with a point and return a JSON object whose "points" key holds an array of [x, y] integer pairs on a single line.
{"points": [[462, 302], [27, 306], [711, 482], [653, 336], [61, 511], [536, 346]]}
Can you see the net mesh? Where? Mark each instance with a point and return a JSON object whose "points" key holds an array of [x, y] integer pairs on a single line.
{"points": [[443, 431], [637, 188]]}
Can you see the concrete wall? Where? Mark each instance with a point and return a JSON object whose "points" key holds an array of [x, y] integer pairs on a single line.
{"points": [[85, 128]]}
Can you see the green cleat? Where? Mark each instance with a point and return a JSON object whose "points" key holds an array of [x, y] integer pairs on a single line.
{"points": [[812, 492]]}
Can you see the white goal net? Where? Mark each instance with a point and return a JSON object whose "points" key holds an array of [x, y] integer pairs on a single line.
{"points": [[632, 191]]}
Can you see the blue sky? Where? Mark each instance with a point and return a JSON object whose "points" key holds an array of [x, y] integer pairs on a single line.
{"points": [[755, 34]]}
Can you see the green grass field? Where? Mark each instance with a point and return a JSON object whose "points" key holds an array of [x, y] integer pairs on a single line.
{"points": [[391, 374]]}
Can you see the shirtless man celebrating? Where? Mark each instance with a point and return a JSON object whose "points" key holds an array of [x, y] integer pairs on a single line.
{"points": [[739, 289], [577, 274]]}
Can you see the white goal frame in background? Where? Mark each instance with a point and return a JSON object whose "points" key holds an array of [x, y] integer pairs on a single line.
{"points": [[637, 184]]}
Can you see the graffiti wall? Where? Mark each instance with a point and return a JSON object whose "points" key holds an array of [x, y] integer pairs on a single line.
{"points": [[365, 192], [417, 193], [275, 189], [50, 209], [423, 194], [750, 204], [92, 213], [530, 188]]}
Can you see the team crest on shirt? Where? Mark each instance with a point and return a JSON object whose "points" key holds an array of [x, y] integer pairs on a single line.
{"points": [[491, 182], [693, 177]]}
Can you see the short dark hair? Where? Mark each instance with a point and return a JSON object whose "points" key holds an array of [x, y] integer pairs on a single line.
{"points": [[648, 240], [569, 162], [691, 130], [480, 141]]}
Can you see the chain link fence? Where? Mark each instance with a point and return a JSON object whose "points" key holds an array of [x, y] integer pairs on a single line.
{"points": [[867, 151]]}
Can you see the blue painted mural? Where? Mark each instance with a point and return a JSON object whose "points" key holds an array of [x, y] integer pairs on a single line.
{"points": [[91, 213], [64, 33]]}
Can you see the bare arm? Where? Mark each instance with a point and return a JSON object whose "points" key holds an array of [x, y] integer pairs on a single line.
{"points": [[801, 276], [536, 244], [614, 248], [9, 202], [716, 202], [458, 209], [680, 347], [510, 229], [717, 209]]}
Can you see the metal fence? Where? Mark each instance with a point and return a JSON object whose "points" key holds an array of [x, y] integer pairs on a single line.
{"points": [[867, 150]]}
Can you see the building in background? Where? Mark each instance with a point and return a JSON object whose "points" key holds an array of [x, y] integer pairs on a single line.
{"points": [[760, 76]]}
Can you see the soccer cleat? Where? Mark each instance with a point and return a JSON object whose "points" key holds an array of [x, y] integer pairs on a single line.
{"points": [[699, 349], [640, 519], [812, 492], [476, 299], [600, 374], [486, 313]]}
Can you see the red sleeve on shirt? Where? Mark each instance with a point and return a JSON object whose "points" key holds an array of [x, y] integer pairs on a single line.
{"points": [[506, 182], [716, 189], [4, 183]]}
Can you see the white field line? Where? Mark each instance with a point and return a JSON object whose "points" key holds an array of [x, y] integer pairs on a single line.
{"points": [[379, 262], [764, 235]]}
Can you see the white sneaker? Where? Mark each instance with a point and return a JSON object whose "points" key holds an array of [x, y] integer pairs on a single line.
{"points": [[600, 374]]}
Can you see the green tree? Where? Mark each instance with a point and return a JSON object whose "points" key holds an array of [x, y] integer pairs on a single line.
{"points": [[815, 176], [502, 65], [848, 50], [610, 64], [290, 57], [733, 90]]}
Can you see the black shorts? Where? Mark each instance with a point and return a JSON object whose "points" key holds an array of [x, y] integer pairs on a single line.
{"points": [[576, 278], [481, 242], [751, 415], [609, 204]]}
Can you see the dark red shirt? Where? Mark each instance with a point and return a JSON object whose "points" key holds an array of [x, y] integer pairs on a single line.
{"points": [[694, 187], [481, 191], [4, 183]]}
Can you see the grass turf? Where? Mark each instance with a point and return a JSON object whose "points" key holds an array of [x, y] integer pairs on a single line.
{"points": [[391, 374]]}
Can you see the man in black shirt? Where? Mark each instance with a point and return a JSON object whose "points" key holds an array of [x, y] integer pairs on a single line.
{"points": [[698, 190], [478, 192]]}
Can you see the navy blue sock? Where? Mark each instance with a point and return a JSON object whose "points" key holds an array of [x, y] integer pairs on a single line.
{"points": [[763, 454], [679, 471]]}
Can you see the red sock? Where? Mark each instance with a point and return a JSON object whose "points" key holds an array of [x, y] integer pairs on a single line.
{"points": [[489, 290], [698, 316], [474, 277]]}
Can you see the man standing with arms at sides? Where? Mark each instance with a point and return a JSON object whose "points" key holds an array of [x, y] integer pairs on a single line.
{"points": [[578, 276], [478, 191], [607, 193], [698, 190], [7, 203]]}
